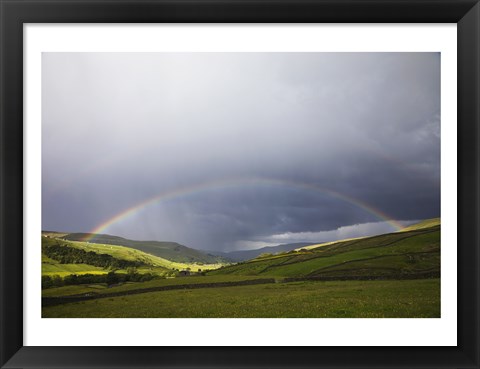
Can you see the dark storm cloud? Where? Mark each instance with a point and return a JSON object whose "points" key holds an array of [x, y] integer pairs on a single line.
{"points": [[121, 128]]}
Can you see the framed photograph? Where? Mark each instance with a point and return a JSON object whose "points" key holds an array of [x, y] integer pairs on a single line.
{"points": [[239, 184]]}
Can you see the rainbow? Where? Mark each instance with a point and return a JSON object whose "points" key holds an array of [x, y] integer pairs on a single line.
{"points": [[226, 183]]}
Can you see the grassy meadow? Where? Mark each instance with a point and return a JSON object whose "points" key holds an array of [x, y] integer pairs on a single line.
{"points": [[389, 275], [335, 299]]}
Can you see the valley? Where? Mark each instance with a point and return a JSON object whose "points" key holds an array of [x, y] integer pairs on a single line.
{"points": [[389, 275]]}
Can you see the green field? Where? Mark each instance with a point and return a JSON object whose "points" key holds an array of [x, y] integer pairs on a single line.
{"points": [[389, 275], [338, 299], [66, 269], [409, 252], [102, 288]]}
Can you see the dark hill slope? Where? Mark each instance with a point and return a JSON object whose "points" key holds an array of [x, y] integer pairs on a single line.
{"points": [[415, 252]]}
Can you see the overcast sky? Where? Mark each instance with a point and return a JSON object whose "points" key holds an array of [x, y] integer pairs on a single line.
{"points": [[241, 150]]}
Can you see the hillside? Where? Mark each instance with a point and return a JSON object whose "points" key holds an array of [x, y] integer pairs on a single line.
{"points": [[54, 234], [167, 250], [64, 255], [251, 254], [427, 223], [314, 246], [423, 224], [409, 253]]}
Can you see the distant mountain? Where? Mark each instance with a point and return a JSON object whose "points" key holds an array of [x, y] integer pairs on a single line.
{"points": [[251, 254], [168, 250]]}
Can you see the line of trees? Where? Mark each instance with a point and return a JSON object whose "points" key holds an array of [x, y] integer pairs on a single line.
{"points": [[110, 278], [72, 255]]}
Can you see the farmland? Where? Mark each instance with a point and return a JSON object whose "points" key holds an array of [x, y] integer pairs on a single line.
{"points": [[389, 275], [343, 299], [416, 251]]}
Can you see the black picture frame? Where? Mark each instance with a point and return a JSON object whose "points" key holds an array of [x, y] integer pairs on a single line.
{"points": [[15, 13]]}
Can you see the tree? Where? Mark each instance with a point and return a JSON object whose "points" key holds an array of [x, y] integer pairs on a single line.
{"points": [[46, 281], [132, 271], [57, 281], [111, 278]]}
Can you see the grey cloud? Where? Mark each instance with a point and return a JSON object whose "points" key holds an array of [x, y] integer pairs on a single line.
{"points": [[119, 128]]}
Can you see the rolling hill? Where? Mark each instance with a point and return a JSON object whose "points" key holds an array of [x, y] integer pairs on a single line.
{"points": [[414, 252], [60, 256], [166, 250]]}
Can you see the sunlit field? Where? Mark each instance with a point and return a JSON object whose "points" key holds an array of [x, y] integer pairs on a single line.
{"points": [[339, 299]]}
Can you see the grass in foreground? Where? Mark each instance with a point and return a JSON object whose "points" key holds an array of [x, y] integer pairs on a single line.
{"points": [[339, 299]]}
